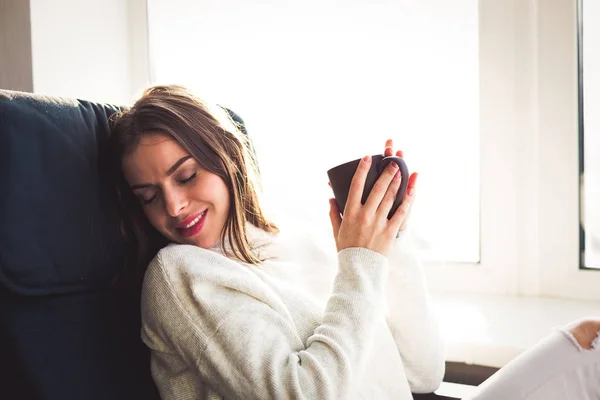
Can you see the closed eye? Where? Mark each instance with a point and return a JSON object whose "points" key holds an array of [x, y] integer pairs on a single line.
{"points": [[191, 178], [146, 196], [147, 201]]}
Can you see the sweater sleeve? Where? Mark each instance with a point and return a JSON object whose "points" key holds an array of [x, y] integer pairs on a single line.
{"points": [[412, 319], [244, 345]]}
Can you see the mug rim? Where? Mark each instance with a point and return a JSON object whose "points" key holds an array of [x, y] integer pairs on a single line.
{"points": [[356, 161]]}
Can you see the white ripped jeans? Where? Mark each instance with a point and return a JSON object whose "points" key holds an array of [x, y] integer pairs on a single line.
{"points": [[557, 368]]}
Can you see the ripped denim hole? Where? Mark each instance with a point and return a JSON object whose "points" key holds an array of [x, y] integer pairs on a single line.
{"points": [[571, 338]]}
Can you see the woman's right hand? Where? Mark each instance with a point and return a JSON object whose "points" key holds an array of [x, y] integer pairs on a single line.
{"points": [[367, 225]]}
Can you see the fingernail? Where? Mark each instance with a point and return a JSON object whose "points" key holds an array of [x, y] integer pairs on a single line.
{"points": [[393, 165], [366, 158]]}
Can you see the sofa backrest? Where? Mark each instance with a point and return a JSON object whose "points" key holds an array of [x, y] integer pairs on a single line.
{"points": [[68, 328]]}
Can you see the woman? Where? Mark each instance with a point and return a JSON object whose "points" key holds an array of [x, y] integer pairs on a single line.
{"points": [[230, 307]]}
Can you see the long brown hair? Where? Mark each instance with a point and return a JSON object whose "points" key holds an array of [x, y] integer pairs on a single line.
{"points": [[209, 135]]}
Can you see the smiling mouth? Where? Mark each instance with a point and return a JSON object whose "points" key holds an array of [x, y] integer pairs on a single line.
{"points": [[194, 226], [195, 221]]}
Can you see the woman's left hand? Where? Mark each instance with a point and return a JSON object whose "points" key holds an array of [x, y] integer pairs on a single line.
{"points": [[412, 179]]}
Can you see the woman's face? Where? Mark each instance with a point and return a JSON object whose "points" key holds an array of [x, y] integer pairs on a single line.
{"points": [[184, 202]]}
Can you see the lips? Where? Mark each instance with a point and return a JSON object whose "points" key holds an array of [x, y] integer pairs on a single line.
{"points": [[192, 224]]}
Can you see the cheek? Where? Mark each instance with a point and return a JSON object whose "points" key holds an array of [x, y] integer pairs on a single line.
{"points": [[156, 218], [223, 198], [215, 191]]}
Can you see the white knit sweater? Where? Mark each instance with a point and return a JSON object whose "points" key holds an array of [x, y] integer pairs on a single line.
{"points": [[299, 326]]}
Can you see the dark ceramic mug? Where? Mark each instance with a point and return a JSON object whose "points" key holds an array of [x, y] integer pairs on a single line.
{"points": [[341, 176]]}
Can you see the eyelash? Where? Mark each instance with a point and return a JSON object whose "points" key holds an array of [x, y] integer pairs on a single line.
{"points": [[183, 182], [146, 202], [188, 180]]}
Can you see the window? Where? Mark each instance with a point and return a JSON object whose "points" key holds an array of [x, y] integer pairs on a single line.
{"points": [[481, 96], [553, 256], [319, 84], [589, 87]]}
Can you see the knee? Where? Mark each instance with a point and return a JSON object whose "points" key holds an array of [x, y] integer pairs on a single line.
{"points": [[586, 332]]}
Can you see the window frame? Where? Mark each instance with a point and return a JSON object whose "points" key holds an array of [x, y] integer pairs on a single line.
{"points": [[581, 132], [536, 60]]}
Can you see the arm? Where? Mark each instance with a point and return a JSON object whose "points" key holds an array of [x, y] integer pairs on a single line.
{"points": [[412, 320], [410, 316], [235, 334]]}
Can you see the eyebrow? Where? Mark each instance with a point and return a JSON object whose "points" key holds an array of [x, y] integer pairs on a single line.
{"points": [[170, 171]]}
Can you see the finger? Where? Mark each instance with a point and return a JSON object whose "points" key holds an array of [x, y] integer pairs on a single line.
{"points": [[389, 148], [358, 185], [404, 224], [390, 195], [403, 211], [400, 153], [412, 183], [336, 218], [381, 186]]}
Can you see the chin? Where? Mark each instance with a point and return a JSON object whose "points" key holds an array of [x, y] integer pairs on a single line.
{"points": [[204, 243]]}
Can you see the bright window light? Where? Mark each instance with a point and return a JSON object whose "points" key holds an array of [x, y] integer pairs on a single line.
{"points": [[321, 82]]}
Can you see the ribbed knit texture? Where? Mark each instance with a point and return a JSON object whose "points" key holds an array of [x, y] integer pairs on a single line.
{"points": [[220, 328]]}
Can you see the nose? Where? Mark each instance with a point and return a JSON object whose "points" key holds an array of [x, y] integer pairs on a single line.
{"points": [[175, 202]]}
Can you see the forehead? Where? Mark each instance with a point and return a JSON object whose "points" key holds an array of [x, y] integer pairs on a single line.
{"points": [[154, 151]]}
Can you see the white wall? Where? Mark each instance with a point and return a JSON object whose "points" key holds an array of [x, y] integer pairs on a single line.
{"points": [[84, 49], [15, 46]]}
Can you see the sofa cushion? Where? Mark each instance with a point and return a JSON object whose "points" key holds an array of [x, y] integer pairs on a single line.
{"points": [[59, 230], [83, 345]]}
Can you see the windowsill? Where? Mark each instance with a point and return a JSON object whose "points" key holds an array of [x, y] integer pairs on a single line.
{"points": [[491, 330]]}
